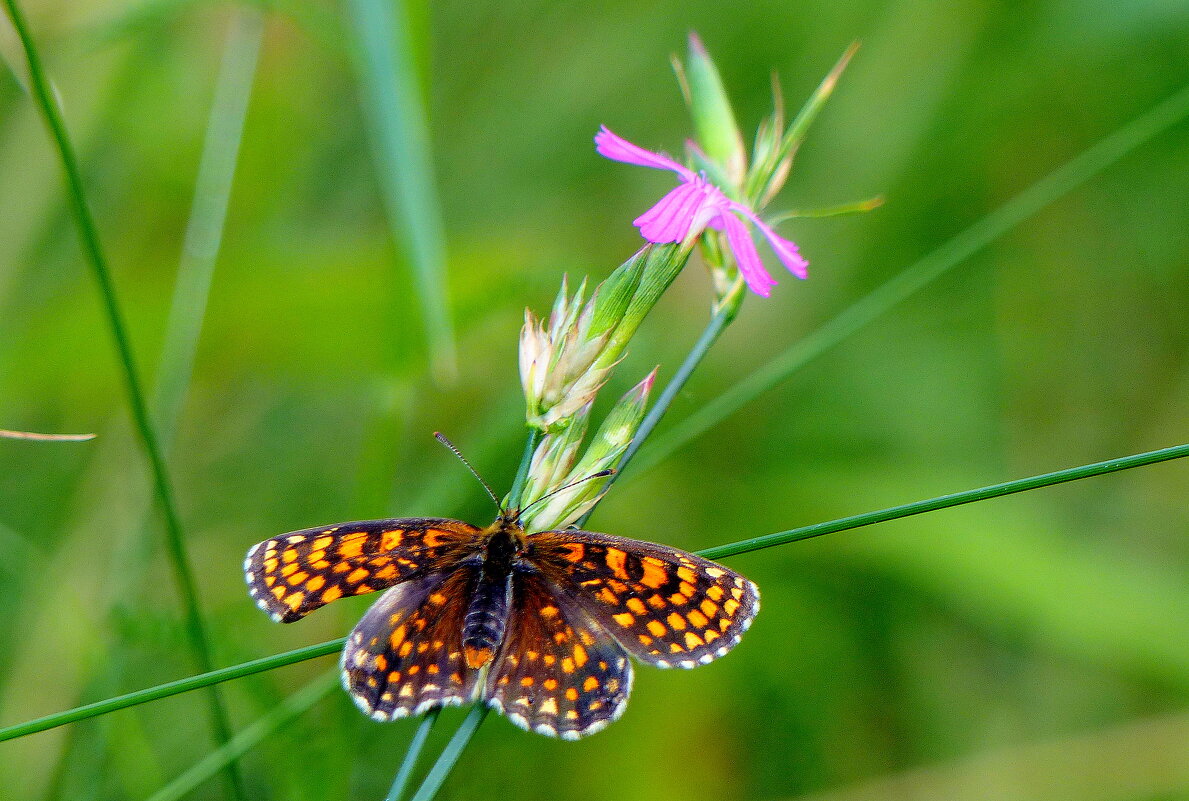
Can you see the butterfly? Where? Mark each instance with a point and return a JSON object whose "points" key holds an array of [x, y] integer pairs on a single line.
{"points": [[537, 625]]}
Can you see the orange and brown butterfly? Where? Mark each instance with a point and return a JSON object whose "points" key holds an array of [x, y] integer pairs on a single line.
{"points": [[537, 625]]}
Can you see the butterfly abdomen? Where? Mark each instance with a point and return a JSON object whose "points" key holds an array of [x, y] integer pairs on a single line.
{"points": [[487, 613]]}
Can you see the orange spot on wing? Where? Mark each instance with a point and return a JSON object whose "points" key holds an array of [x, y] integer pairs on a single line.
{"points": [[636, 605], [615, 560], [685, 574], [624, 619], [391, 539], [352, 545], [606, 596], [579, 655], [527, 681], [331, 594], [322, 543], [730, 607], [591, 683], [715, 593], [298, 577], [572, 694], [358, 575], [709, 608], [294, 600], [655, 574], [676, 621], [657, 628], [693, 640], [697, 618], [386, 572], [572, 551]]}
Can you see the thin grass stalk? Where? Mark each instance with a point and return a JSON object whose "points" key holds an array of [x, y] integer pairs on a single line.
{"points": [[718, 323], [400, 137], [89, 235], [172, 688], [719, 552], [412, 754], [1032, 200], [249, 737], [450, 754]]}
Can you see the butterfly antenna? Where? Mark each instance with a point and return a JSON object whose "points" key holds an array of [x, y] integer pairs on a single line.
{"points": [[610, 471], [440, 437]]}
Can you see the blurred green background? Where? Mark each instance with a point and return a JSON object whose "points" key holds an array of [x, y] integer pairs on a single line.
{"points": [[1035, 647]]}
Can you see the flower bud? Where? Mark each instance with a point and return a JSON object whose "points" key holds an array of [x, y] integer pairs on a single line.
{"points": [[604, 451], [718, 132]]}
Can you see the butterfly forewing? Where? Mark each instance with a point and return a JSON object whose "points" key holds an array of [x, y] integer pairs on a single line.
{"points": [[558, 672], [295, 573], [405, 655], [667, 607]]}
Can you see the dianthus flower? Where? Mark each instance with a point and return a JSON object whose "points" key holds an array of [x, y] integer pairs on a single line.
{"points": [[697, 204]]}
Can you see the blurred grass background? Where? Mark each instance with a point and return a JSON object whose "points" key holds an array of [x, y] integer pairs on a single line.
{"points": [[1035, 647]]}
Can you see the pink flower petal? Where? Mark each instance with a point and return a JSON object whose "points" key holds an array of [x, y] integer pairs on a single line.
{"points": [[785, 249], [616, 148], [670, 219], [746, 256]]}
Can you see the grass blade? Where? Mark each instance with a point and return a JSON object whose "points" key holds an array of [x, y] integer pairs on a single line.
{"points": [[1056, 184], [208, 214], [183, 572], [400, 138], [248, 738]]}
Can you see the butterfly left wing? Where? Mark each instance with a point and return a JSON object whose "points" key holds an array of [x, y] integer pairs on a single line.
{"points": [[558, 672], [405, 655], [666, 607], [291, 575]]}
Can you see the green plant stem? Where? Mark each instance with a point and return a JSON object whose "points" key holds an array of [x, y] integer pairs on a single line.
{"points": [[947, 501], [412, 754], [718, 323], [248, 738], [450, 754], [718, 552], [183, 573], [171, 688], [1036, 197], [401, 141]]}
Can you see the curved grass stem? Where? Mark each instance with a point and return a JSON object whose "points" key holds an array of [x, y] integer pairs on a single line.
{"points": [[89, 234]]}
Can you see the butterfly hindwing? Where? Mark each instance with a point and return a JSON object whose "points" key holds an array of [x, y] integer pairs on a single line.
{"points": [[558, 672], [295, 573], [667, 607], [405, 655]]}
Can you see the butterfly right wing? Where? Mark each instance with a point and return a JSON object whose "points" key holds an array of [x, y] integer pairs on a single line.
{"points": [[558, 672], [291, 575], [665, 606]]}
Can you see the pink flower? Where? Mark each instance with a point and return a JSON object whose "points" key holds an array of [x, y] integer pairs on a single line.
{"points": [[696, 205]]}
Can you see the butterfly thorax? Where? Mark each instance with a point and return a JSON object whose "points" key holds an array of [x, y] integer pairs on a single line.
{"points": [[487, 613]]}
